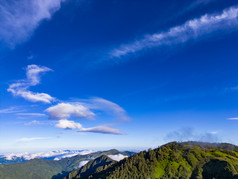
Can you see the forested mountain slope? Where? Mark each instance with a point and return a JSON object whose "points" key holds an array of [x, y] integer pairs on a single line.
{"points": [[177, 160], [47, 169], [99, 164]]}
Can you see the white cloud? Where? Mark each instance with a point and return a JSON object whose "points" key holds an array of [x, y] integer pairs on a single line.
{"points": [[117, 157], [30, 114], [66, 124], [82, 163], [191, 29], [20, 88], [233, 118], [103, 130], [58, 154], [67, 110], [10, 110], [83, 109], [29, 139], [101, 104], [35, 122], [86, 152], [197, 3], [19, 19], [33, 73]]}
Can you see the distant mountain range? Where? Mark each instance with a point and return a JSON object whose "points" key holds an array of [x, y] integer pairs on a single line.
{"points": [[50, 166], [52, 155], [174, 160]]}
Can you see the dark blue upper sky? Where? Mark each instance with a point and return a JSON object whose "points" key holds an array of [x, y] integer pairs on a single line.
{"points": [[117, 73]]}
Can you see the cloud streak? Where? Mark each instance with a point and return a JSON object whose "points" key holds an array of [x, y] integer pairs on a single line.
{"points": [[29, 139], [35, 122], [233, 118], [19, 19], [10, 110], [33, 74], [192, 29], [102, 130], [30, 114], [100, 104]]}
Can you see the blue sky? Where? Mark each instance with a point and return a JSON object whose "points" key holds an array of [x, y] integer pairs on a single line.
{"points": [[80, 74]]}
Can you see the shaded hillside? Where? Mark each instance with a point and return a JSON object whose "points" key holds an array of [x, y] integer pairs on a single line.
{"points": [[97, 165], [4, 161], [177, 160], [46, 169]]}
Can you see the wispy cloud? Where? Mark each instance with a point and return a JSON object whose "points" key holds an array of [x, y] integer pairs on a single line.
{"points": [[233, 118], [30, 114], [86, 108], [189, 134], [102, 129], [214, 132], [33, 74], [107, 106], [192, 29], [35, 122], [19, 19], [197, 3], [29, 139], [10, 110], [63, 111]]}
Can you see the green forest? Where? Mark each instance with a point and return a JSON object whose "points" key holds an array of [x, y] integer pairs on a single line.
{"points": [[175, 160]]}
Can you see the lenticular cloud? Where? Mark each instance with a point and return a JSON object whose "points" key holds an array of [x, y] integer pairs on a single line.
{"points": [[67, 110]]}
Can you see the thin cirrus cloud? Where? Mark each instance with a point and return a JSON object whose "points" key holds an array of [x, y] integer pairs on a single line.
{"points": [[192, 29], [19, 19], [10, 110], [35, 122], [29, 139], [33, 74], [233, 118], [102, 130], [197, 3], [30, 114], [100, 104]]}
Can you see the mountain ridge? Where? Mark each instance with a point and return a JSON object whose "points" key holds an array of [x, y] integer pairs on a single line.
{"points": [[49, 168], [185, 160]]}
